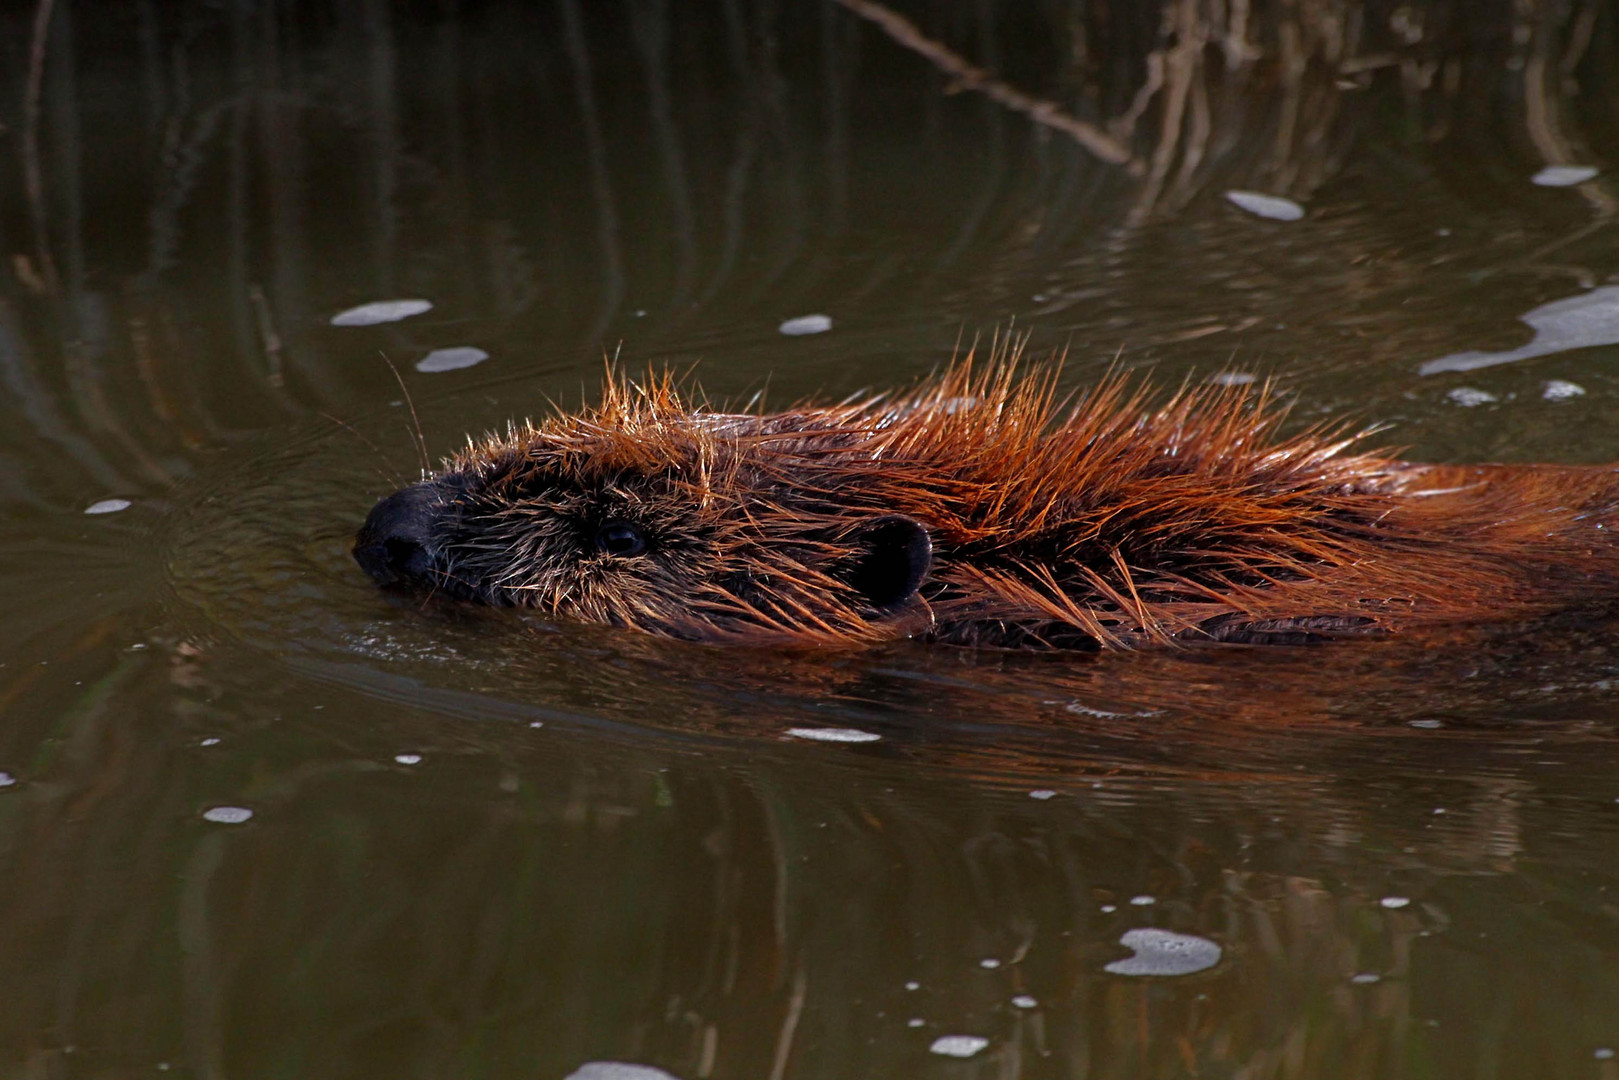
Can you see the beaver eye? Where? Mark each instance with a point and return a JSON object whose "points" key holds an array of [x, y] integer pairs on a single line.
{"points": [[620, 539]]}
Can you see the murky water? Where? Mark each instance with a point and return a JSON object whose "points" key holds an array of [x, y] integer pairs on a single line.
{"points": [[259, 819]]}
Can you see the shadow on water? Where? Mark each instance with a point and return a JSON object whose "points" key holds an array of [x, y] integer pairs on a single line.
{"points": [[482, 844]]}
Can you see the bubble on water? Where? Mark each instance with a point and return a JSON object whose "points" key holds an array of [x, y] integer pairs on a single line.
{"points": [[1164, 952], [381, 311], [1024, 1001], [958, 1046], [452, 359], [806, 324], [1143, 900], [1393, 903], [408, 759], [989, 963], [1108, 909], [913, 985], [1561, 390], [1365, 978], [6, 779], [212, 740], [1233, 378], [1042, 794], [1273, 207], [1563, 175], [834, 734], [227, 815], [617, 1070], [915, 1022], [1469, 396], [108, 506], [1427, 725], [1603, 1053]]}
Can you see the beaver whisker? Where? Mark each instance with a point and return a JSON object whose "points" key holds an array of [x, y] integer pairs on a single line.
{"points": [[420, 438]]}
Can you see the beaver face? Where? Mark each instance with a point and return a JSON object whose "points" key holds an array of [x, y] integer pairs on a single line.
{"points": [[692, 531]]}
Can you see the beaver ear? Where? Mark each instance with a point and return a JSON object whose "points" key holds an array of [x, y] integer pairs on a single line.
{"points": [[896, 556]]}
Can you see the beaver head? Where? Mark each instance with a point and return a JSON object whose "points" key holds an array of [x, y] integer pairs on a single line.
{"points": [[648, 513]]}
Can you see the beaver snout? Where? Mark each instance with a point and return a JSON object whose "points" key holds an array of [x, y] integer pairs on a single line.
{"points": [[395, 545]]}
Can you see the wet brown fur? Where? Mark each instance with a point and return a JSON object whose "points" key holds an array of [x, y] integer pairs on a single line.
{"points": [[1105, 520]]}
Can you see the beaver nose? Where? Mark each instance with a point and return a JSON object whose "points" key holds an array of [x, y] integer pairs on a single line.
{"points": [[394, 543]]}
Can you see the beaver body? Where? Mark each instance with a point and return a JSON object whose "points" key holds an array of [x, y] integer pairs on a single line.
{"points": [[980, 510]]}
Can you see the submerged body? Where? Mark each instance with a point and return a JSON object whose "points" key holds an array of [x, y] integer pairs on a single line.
{"points": [[978, 510]]}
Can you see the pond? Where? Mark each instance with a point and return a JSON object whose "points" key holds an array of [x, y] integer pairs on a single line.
{"points": [[259, 818]]}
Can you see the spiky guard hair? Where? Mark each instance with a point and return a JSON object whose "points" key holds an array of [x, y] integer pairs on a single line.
{"points": [[982, 507]]}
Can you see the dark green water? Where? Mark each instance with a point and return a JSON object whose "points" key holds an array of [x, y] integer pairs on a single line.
{"points": [[484, 846]]}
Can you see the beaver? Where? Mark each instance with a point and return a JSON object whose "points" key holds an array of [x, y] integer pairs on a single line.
{"points": [[984, 508]]}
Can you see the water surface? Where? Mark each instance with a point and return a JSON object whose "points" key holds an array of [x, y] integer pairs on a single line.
{"points": [[259, 819]]}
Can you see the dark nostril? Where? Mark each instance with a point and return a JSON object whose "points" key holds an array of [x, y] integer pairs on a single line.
{"points": [[395, 543]]}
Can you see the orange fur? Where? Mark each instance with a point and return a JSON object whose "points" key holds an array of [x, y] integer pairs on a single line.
{"points": [[1105, 520]]}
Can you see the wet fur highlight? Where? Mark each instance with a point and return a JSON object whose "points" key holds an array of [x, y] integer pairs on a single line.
{"points": [[1109, 519]]}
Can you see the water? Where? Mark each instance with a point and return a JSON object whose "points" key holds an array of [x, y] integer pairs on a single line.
{"points": [[258, 819]]}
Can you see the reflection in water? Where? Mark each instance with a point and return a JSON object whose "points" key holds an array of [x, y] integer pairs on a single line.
{"points": [[555, 896], [257, 819]]}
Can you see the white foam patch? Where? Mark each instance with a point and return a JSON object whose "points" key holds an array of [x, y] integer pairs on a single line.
{"points": [[1561, 390], [381, 311], [1164, 952], [1394, 902], [453, 359], [1469, 397], [806, 324], [408, 759], [6, 779], [617, 1070], [1563, 175], [108, 506], [227, 815], [1079, 708], [833, 734], [1273, 207], [1024, 1001], [1575, 322], [958, 1046], [1042, 794]]}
